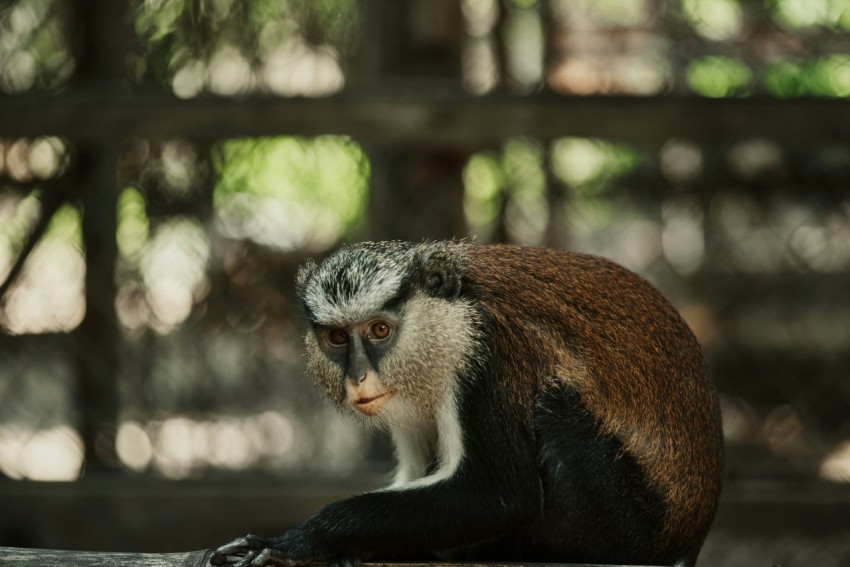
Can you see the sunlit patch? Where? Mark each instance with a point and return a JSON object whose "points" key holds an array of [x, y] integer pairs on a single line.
{"points": [[17, 217], [523, 33], [35, 49], [229, 445], [290, 193], [49, 294], [680, 160], [683, 239], [782, 430], [512, 182], [297, 52], [229, 72], [174, 447], [25, 159], [714, 19], [602, 47], [174, 269], [836, 466], [54, 454], [296, 68], [179, 447], [188, 82], [133, 224], [480, 65], [133, 446], [740, 422], [483, 184], [788, 235], [719, 77], [584, 162], [522, 163], [803, 14], [755, 157]]}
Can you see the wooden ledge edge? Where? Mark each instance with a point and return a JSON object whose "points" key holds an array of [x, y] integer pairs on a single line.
{"points": [[33, 557]]}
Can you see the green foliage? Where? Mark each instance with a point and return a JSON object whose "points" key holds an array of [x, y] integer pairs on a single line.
{"points": [[320, 185], [174, 34], [824, 77], [483, 180], [807, 14], [718, 77], [35, 49], [16, 218], [522, 164], [515, 175], [591, 165], [714, 19], [133, 224], [66, 226], [515, 179]]}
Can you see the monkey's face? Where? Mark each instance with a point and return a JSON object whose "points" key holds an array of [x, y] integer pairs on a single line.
{"points": [[394, 367], [386, 341], [357, 350]]}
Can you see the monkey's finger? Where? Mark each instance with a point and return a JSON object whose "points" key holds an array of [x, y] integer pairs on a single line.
{"points": [[233, 560], [239, 546], [218, 558], [271, 556], [247, 561]]}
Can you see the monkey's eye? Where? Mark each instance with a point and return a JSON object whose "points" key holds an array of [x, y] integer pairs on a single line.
{"points": [[379, 330], [337, 337]]}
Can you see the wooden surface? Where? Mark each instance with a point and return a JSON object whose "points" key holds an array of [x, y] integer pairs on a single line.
{"points": [[22, 557], [144, 515]]}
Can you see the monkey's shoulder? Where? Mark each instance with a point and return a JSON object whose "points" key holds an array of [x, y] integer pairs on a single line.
{"points": [[535, 273], [538, 261]]}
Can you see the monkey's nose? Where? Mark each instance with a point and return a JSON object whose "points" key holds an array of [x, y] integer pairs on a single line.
{"points": [[357, 380]]}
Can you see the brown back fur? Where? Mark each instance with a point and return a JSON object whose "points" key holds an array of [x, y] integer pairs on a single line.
{"points": [[637, 366]]}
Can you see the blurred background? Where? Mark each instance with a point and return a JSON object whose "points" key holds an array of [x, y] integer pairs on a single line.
{"points": [[166, 165]]}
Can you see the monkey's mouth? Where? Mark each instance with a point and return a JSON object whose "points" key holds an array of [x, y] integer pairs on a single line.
{"points": [[371, 405]]}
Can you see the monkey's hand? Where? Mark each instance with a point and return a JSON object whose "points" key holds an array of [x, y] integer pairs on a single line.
{"points": [[292, 549], [241, 551]]}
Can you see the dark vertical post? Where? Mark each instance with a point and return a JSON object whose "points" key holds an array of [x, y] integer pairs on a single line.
{"points": [[414, 194], [103, 28], [97, 337], [557, 233]]}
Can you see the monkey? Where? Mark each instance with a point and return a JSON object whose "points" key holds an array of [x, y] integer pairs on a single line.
{"points": [[545, 406]]}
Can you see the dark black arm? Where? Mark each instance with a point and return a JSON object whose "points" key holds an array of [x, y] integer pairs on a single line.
{"points": [[494, 490], [461, 510]]}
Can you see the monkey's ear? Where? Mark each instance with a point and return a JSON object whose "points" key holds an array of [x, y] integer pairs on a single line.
{"points": [[304, 273], [441, 270]]}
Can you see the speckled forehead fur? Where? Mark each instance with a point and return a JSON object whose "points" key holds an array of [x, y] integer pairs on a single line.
{"points": [[355, 282]]}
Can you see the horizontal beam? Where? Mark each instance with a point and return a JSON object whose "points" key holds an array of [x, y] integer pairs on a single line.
{"points": [[436, 121]]}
